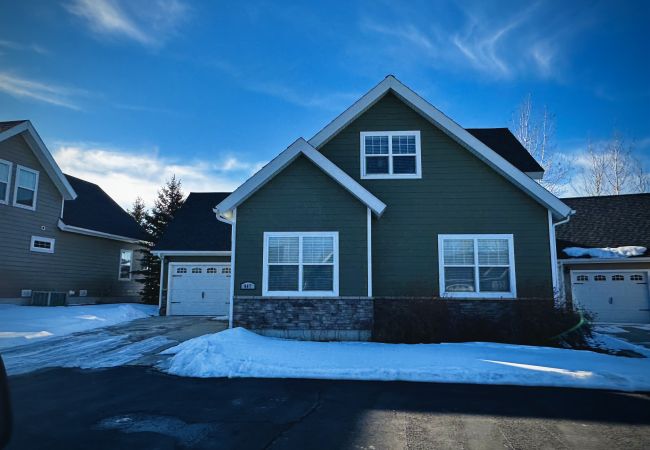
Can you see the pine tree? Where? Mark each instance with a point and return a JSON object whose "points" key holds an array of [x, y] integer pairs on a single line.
{"points": [[138, 211], [169, 200]]}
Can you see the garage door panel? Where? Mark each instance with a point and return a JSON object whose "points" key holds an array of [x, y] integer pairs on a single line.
{"points": [[613, 296], [199, 289]]}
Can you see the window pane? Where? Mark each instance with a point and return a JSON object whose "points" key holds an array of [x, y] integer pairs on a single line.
{"points": [[4, 172], [25, 197], [376, 145], [318, 249], [283, 249], [493, 251], [125, 257], [403, 145], [318, 278], [26, 179], [404, 164], [3, 191], [494, 279], [458, 251], [125, 271], [283, 278], [375, 165], [459, 279]]}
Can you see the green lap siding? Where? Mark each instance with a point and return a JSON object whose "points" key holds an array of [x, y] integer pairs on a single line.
{"points": [[458, 193], [302, 198]]}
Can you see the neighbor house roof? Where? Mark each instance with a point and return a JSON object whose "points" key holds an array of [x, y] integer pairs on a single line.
{"points": [[299, 147], [502, 141], [195, 229], [606, 221], [452, 129], [15, 127], [94, 213]]}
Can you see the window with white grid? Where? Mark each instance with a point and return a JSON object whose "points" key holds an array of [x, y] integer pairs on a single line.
{"points": [[300, 263], [390, 154], [476, 266]]}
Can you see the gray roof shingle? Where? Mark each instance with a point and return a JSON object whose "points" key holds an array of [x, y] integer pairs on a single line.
{"points": [[606, 221], [502, 141], [4, 126]]}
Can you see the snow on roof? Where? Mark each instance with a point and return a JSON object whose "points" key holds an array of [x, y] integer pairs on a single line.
{"points": [[606, 252]]}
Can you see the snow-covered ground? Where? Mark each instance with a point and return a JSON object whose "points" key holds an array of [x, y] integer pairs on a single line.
{"points": [[240, 353], [21, 325], [612, 338]]}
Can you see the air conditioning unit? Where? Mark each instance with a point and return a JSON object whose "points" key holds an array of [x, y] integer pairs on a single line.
{"points": [[46, 298]]}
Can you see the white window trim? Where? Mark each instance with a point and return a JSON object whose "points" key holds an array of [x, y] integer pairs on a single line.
{"points": [[119, 266], [390, 175], [35, 172], [300, 292], [477, 295], [52, 241], [5, 201]]}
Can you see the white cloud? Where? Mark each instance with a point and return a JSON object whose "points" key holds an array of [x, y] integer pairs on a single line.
{"points": [[125, 175], [40, 91], [15, 46], [149, 22]]}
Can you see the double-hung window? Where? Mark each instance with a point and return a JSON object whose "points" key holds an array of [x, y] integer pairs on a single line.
{"points": [[26, 188], [5, 180], [477, 266], [126, 261], [391, 154], [301, 264]]}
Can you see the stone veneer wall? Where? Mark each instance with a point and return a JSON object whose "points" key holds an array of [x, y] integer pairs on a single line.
{"points": [[315, 318]]}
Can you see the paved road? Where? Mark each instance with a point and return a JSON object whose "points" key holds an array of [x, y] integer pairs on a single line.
{"points": [[136, 407], [136, 342]]}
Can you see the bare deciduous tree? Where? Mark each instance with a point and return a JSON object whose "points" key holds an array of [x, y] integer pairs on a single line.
{"points": [[594, 176], [536, 132]]}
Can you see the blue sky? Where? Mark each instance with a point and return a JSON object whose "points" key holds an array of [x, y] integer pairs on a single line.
{"points": [[124, 93]]}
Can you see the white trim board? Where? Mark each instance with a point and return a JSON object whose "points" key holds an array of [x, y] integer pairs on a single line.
{"points": [[72, 229], [160, 253], [280, 162], [452, 129], [43, 155], [633, 260]]}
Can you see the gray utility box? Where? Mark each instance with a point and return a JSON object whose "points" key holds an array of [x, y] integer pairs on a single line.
{"points": [[43, 298]]}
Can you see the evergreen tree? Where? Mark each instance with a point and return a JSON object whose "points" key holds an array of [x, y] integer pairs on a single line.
{"points": [[168, 201], [138, 211]]}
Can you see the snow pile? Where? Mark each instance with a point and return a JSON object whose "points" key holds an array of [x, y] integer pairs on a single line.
{"points": [[616, 344], [240, 353], [607, 252], [24, 324]]}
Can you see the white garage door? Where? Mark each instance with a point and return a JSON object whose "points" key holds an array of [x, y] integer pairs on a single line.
{"points": [[199, 289], [621, 297]]}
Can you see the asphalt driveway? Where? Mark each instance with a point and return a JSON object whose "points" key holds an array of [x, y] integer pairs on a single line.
{"points": [[136, 407], [134, 343]]}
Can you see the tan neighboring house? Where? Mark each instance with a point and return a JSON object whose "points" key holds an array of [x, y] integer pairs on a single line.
{"points": [[59, 234]]}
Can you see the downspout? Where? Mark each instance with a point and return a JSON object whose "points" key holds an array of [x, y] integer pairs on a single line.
{"points": [[160, 290], [559, 265], [233, 224]]}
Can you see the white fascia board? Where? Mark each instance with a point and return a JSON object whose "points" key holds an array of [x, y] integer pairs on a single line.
{"points": [[453, 130], [190, 253], [300, 146], [572, 261], [44, 157], [78, 230]]}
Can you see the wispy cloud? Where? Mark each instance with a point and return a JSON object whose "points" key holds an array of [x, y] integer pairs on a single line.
{"points": [[16, 46], [149, 23], [126, 174], [53, 94]]}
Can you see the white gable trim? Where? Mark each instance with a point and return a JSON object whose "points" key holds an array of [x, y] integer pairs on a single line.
{"points": [[43, 155], [85, 231], [300, 146], [452, 129]]}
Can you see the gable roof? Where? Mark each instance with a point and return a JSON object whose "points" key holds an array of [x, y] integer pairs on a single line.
{"points": [[12, 128], [194, 227], [606, 221], [502, 141], [449, 127], [94, 213], [299, 147]]}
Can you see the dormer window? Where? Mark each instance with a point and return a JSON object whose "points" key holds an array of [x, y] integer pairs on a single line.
{"points": [[390, 154]]}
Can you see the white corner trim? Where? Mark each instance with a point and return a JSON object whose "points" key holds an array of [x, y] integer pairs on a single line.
{"points": [[300, 146], [452, 129], [162, 253], [34, 172], [233, 241], [369, 247], [43, 155], [72, 229], [553, 249], [50, 241], [160, 284], [477, 294]]}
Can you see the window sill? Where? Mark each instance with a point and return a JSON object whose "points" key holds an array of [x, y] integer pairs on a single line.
{"points": [[300, 294], [478, 296], [392, 177]]}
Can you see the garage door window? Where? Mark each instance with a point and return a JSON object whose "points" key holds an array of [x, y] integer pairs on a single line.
{"points": [[618, 278], [196, 270], [300, 264], [600, 278], [181, 270], [476, 266], [636, 277], [582, 278]]}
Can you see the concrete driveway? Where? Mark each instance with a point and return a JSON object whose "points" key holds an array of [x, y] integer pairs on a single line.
{"points": [[133, 343], [137, 407]]}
